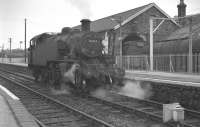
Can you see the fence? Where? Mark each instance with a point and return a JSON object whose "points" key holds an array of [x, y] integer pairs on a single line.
{"points": [[166, 63]]}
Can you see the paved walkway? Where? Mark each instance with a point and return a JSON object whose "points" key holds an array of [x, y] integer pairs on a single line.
{"points": [[164, 77], [6, 116]]}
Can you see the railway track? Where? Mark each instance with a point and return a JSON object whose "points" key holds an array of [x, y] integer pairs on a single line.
{"points": [[145, 108], [49, 111], [110, 114], [150, 108]]}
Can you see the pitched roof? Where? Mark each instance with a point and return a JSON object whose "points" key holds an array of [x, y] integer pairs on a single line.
{"points": [[106, 23], [183, 32]]}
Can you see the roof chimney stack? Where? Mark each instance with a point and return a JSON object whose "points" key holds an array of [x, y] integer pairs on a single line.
{"points": [[85, 25], [181, 9]]}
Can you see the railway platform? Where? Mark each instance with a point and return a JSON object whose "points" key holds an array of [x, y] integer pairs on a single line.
{"points": [[18, 64], [165, 77], [154, 76], [12, 111]]}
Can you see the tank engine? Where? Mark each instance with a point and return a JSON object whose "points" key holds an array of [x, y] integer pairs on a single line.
{"points": [[74, 58]]}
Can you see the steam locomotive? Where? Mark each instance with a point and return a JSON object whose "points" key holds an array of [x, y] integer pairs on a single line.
{"points": [[74, 58]]}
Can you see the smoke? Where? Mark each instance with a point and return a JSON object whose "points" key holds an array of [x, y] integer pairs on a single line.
{"points": [[83, 6], [136, 89]]}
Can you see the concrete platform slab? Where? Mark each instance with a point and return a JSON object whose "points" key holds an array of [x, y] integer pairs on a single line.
{"points": [[6, 116], [165, 77]]}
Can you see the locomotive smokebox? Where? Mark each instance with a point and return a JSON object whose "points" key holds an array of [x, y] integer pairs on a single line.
{"points": [[85, 25]]}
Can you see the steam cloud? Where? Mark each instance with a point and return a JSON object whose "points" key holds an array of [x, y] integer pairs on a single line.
{"points": [[83, 6], [137, 89]]}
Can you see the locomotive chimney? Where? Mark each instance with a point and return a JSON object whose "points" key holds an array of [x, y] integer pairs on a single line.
{"points": [[85, 25]]}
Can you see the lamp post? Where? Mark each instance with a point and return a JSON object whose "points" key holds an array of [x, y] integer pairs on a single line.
{"points": [[119, 21]]}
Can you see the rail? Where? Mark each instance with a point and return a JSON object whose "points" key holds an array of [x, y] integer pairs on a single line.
{"points": [[100, 106], [30, 96], [147, 108]]}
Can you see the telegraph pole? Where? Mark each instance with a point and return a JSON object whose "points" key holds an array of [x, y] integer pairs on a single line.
{"points": [[10, 41], [25, 38]]}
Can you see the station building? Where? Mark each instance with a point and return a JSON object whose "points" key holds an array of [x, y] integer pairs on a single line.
{"points": [[134, 28]]}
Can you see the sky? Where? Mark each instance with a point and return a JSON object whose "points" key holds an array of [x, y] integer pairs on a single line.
{"points": [[52, 15]]}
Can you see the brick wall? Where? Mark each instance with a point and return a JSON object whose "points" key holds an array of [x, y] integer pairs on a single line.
{"points": [[140, 25]]}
